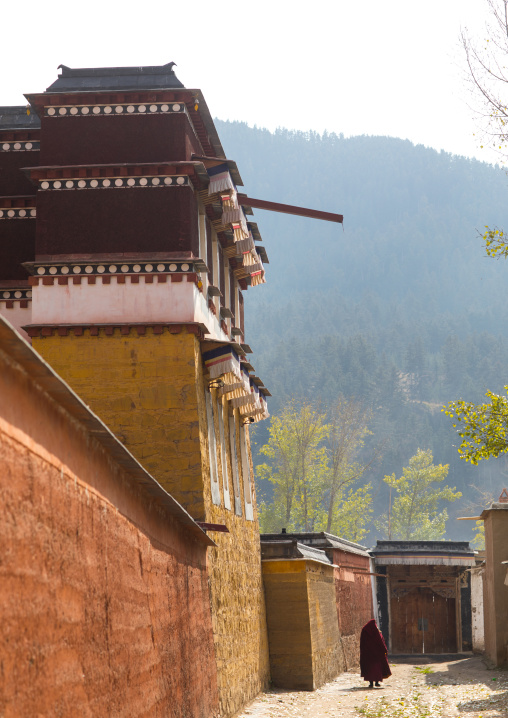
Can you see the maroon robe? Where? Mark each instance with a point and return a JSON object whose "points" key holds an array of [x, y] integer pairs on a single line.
{"points": [[373, 662]]}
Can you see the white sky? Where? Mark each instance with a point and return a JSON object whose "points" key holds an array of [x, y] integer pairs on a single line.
{"points": [[378, 67]]}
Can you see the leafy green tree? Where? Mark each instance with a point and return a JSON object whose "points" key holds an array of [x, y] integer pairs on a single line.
{"points": [[496, 244], [272, 517], [483, 428], [297, 465], [415, 513], [352, 516], [483, 498], [314, 469], [479, 536], [347, 429]]}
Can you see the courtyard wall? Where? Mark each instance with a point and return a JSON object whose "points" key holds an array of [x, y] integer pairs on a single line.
{"points": [[103, 579]]}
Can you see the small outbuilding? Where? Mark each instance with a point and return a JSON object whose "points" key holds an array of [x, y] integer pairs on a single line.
{"points": [[424, 595], [303, 632], [318, 596]]}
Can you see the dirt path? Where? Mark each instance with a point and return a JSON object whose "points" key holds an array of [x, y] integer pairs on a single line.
{"points": [[427, 690]]}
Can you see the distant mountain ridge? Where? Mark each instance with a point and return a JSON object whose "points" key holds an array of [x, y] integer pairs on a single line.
{"points": [[404, 291]]}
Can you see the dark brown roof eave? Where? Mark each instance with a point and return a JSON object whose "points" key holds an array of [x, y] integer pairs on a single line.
{"points": [[233, 168]]}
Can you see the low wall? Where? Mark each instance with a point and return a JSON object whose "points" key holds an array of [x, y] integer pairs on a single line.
{"points": [[353, 591], [477, 609], [327, 659], [104, 594], [302, 624]]}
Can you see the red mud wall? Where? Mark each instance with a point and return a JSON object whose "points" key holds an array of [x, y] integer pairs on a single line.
{"points": [[104, 599], [354, 601]]}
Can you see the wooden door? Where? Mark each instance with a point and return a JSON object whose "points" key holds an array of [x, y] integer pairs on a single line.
{"points": [[423, 622]]}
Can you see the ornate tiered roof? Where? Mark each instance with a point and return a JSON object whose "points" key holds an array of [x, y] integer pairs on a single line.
{"points": [[83, 79]]}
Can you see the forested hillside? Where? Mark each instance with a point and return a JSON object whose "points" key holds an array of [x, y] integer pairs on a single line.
{"points": [[401, 308]]}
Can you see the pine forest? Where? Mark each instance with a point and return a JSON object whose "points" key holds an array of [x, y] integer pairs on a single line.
{"points": [[399, 309]]}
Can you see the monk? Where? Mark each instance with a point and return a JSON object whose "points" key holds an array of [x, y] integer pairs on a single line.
{"points": [[373, 661]]}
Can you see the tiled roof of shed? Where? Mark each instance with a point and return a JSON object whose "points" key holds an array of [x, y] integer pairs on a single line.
{"points": [[319, 540], [290, 548], [15, 117], [439, 547], [451, 553], [149, 77]]}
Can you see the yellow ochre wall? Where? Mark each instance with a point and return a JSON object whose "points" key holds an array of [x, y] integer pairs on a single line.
{"points": [[144, 389], [327, 658], [149, 390], [303, 628]]}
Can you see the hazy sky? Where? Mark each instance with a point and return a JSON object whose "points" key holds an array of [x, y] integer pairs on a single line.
{"points": [[379, 67]]}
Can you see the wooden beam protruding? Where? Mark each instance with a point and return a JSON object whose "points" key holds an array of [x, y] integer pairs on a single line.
{"points": [[289, 209]]}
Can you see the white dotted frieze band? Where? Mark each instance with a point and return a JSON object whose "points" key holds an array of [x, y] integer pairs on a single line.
{"points": [[17, 146], [9, 294], [18, 213], [105, 269], [160, 108], [116, 182]]}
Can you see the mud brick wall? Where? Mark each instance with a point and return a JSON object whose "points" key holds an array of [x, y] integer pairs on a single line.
{"points": [[236, 583], [302, 623], [150, 391], [354, 602], [287, 617], [144, 389], [105, 602], [327, 659], [238, 612]]}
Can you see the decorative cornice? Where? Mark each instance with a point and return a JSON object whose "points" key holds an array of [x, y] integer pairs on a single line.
{"points": [[175, 278], [31, 146], [15, 293], [112, 110], [142, 174], [115, 182], [48, 330], [106, 269], [17, 213], [12, 297], [100, 96]]}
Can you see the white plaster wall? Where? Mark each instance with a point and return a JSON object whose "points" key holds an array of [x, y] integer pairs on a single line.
{"points": [[18, 317], [477, 610], [106, 303], [205, 316], [123, 303]]}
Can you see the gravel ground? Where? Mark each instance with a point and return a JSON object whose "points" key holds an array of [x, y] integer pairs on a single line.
{"points": [[462, 687]]}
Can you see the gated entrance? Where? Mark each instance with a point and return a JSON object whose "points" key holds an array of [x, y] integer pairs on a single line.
{"points": [[423, 593], [423, 622]]}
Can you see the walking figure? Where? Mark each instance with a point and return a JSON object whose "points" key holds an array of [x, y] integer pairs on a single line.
{"points": [[373, 655]]}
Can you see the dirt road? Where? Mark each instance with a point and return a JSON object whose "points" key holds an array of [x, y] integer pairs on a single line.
{"points": [[415, 690]]}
